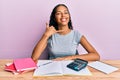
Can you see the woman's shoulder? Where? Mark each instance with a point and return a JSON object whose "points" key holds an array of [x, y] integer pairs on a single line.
{"points": [[77, 35], [76, 32]]}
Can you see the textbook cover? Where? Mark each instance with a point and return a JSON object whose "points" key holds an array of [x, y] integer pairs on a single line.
{"points": [[23, 64]]}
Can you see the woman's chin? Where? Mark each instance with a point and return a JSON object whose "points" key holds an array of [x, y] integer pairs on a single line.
{"points": [[64, 24]]}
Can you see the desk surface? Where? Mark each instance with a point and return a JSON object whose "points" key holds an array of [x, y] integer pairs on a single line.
{"points": [[96, 75]]}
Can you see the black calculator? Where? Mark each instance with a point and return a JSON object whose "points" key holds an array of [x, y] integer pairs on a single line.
{"points": [[77, 64]]}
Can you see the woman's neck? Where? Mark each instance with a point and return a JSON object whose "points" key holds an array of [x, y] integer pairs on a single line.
{"points": [[65, 30]]}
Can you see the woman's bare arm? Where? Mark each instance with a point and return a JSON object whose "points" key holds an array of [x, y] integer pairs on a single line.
{"points": [[41, 45], [39, 48]]}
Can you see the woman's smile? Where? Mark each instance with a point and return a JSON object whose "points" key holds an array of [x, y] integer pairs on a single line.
{"points": [[63, 19]]}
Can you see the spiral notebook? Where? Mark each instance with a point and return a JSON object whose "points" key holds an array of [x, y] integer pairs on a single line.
{"points": [[103, 67]]}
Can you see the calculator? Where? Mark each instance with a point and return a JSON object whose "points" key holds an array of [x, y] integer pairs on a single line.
{"points": [[77, 64]]}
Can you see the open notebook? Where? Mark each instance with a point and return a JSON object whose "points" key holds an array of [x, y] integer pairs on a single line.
{"points": [[55, 68]]}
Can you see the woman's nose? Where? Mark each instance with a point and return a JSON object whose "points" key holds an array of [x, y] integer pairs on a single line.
{"points": [[62, 14]]}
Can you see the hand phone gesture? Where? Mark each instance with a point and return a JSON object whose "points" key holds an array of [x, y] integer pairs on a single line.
{"points": [[50, 30]]}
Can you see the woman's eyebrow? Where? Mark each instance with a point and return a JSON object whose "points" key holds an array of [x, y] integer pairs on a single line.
{"points": [[60, 11]]}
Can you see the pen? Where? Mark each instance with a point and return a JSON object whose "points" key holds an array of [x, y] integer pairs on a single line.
{"points": [[44, 64]]}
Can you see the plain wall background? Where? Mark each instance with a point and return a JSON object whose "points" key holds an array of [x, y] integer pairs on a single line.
{"points": [[22, 23]]}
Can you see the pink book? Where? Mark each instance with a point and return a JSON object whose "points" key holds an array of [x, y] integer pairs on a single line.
{"points": [[11, 68], [24, 64]]}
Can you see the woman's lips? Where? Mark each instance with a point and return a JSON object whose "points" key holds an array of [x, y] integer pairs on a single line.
{"points": [[63, 19]]}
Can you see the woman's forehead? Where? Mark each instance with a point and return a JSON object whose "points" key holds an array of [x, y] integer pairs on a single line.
{"points": [[61, 8]]}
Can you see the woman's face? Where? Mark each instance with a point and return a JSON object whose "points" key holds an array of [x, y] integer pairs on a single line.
{"points": [[62, 16]]}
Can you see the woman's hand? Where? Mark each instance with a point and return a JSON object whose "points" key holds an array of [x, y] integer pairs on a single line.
{"points": [[51, 30], [61, 58]]}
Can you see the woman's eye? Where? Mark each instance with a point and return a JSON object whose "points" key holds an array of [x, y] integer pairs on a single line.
{"points": [[66, 12], [57, 13]]}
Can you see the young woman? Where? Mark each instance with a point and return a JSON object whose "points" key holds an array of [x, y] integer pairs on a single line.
{"points": [[62, 41]]}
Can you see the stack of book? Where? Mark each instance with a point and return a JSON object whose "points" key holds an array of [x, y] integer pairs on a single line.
{"points": [[21, 65]]}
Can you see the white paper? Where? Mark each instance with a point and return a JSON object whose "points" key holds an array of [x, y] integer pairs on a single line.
{"points": [[103, 67], [47, 68], [51, 68]]}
